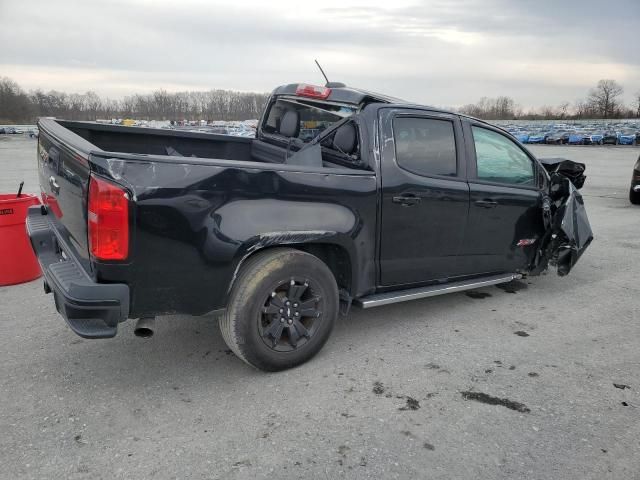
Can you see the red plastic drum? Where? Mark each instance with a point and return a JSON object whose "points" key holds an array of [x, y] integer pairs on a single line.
{"points": [[18, 263]]}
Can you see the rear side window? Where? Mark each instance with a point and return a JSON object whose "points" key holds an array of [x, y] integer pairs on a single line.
{"points": [[425, 146], [501, 160]]}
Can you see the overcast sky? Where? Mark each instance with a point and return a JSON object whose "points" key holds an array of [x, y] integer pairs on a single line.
{"points": [[440, 52]]}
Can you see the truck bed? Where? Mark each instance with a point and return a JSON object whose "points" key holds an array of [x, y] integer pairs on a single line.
{"points": [[157, 141]]}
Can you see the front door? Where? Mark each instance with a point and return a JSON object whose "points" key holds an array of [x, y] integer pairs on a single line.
{"points": [[505, 215], [425, 197]]}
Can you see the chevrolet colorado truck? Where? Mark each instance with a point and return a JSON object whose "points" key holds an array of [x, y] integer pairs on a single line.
{"points": [[344, 197]]}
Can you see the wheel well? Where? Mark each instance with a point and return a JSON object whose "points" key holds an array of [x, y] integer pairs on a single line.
{"points": [[334, 256]]}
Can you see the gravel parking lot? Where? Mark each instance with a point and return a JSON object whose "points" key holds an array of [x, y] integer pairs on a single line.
{"points": [[386, 396]]}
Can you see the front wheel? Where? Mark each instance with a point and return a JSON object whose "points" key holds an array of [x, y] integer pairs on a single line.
{"points": [[281, 310], [634, 197]]}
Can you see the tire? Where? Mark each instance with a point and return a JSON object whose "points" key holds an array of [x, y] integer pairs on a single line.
{"points": [[634, 197], [260, 327]]}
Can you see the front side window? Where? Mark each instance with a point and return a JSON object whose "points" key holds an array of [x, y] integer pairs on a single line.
{"points": [[425, 146], [500, 160]]}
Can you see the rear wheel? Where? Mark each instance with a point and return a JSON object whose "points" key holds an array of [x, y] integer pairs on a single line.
{"points": [[634, 197], [281, 310]]}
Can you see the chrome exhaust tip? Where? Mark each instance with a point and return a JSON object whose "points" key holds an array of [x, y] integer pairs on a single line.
{"points": [[144, 327]]}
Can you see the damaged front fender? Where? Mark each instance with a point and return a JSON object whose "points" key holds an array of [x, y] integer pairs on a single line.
{"points": [[568, 231]]}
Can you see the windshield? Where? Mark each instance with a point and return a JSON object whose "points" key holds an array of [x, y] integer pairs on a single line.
{"points": [[314, 117]]}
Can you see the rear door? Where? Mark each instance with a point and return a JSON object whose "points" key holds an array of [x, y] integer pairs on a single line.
{"points": [[425, 196], [505, 214]]}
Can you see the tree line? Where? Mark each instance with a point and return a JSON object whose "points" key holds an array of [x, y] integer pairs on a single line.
{"points": [[602, 101], [18, 106]]}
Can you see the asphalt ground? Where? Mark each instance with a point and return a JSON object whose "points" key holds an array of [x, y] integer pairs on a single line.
{"points": [[399, 391]]}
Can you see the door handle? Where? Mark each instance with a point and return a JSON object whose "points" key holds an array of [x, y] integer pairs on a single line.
{"points": [[54, 185], [486, 203], [407, 199]]}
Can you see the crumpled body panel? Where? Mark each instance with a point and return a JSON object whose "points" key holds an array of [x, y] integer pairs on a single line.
{"points": [[568, 232]]}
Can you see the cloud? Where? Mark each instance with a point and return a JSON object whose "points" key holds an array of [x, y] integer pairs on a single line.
{"points": [[437, 52]]}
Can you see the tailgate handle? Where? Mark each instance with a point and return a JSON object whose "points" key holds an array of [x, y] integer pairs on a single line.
{"points": [[486, 203], [54, 185], [407, 199]]}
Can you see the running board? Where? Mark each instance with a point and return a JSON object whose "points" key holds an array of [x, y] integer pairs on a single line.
{"points": [[380, 299]]}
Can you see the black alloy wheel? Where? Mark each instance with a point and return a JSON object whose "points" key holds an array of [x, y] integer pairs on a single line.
{"points": [[290, 315]]}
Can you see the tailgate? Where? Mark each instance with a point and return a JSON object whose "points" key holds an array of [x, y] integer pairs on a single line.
{"points": [[63, 169]]}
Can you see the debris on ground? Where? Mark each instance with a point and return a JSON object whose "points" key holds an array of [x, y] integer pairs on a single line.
{"points": [[412, 404], [491, 400], [621, 386], [378, 388]]}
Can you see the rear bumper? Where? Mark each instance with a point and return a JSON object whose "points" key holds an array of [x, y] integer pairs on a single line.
{"points": [[92, 310]]}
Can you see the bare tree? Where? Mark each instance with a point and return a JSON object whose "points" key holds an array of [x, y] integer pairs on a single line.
{"points": [[94, 104], [499, 108], [564, 109], [603, 99], [14, 103], [548, 111]]}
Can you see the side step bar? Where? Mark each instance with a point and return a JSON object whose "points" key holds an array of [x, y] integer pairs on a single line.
{"points": [[387, 298]]}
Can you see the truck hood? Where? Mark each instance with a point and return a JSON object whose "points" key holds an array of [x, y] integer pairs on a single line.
{"points": [[568, 231]]}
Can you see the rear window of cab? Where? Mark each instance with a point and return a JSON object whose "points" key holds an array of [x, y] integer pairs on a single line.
{"points": [[315, 117]]}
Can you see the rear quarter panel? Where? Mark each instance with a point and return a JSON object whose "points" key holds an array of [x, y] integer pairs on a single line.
{"points": [[195, 222]]}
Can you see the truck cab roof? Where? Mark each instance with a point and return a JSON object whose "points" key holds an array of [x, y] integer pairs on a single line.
{"points": [[340, 94]]}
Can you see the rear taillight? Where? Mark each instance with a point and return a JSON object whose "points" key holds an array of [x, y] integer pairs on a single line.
{"points": [[312, 91], [108, 220]]}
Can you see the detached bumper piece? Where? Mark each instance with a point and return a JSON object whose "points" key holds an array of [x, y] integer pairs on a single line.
{"points": [[92, 310]]}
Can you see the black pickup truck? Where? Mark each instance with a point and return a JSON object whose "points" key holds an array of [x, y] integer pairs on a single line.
{"points": [[344, 197]]}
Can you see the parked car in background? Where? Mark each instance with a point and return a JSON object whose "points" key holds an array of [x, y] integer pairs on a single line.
{"points": [[610, 138], [634, 192], [537, 137], [575, 138], [576, 133], [596, 138], [559, 137], [627, 137]]}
